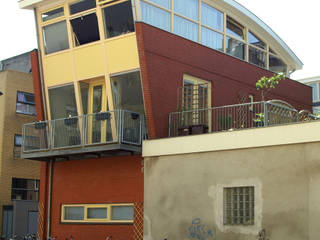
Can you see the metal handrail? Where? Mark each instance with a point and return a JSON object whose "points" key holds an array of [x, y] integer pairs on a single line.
{"points": [[236, 116], [118, 126]]}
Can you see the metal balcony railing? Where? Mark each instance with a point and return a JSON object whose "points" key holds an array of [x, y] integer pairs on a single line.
{"points": [[232, 117], [119, 126]]}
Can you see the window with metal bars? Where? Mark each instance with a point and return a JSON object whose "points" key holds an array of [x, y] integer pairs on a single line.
{"points": [[238, 206]]}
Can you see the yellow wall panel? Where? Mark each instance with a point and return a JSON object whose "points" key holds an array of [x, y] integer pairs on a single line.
{"points": [[122, 54], [57, 69], [89, 61]]}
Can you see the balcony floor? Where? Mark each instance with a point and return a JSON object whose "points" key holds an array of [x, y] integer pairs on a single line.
{"points": [[84, 152]]}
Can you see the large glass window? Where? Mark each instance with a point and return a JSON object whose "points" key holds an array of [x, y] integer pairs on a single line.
{"points": [[185, 28], [155, 16], [25, 189], [85, 29], [127, 92], [211, 17], [62, 102], [235, 48], [58, 12], [257, 57], [187, 8], [234, 28], [118, 19], [82, 5], [25, 103], [211, 39], [55, 37]]}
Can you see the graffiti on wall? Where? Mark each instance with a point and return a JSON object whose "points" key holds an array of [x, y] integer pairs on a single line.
{"points": [[199, 231]]}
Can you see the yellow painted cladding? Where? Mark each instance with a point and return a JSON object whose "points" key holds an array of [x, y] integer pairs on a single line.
{"points": [[122, 54], [89, 62], [57, 69]]}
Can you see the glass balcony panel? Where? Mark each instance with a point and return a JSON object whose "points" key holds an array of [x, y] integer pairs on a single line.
{"points": [[185, 28], [277, 65], [257, 57]]}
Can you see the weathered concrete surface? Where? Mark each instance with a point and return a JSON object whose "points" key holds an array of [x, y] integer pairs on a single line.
{"points": [[188, 188]]}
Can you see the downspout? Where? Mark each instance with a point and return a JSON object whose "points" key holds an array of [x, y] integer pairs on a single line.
{"points": [[49, 200]]}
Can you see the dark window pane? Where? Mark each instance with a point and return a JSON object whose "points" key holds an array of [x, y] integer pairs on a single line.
{"points": [[84, 96], [118, 19], [256, 41], [52, 14], [62, 102], [277, 65], [234, 28], [257, 57], [235, 48], [85, 29], [55, 37], [97, 213], [25, 189], [82, 5]]}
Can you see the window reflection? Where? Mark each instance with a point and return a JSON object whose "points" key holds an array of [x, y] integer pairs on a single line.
{"points": [[155, 16], [55, 37], [118, 19], [257, 57], [254, 40], [211, 17], [234, 28], [188, 8], [235, 48], [185, 28], [212, 39]]}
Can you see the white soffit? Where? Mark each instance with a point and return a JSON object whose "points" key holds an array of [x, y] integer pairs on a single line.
{"points": [[245, 13], [28, 4]]}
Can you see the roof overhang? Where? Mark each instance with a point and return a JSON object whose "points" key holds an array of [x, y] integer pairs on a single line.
{"points": [[243, 15], [28, 4]]}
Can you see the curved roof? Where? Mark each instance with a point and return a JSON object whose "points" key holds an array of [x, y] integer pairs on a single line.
{"points": [[285, 52]]}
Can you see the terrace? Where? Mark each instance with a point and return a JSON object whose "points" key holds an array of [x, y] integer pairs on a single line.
{"points": [[235, 117], [116, 132]]}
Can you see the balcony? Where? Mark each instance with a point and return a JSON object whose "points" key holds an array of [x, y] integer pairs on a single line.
{"points": [[109, 133], [235, 117]]}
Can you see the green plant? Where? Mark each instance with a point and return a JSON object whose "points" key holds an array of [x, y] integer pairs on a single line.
{"points": [[266, 84], [225, 122]]}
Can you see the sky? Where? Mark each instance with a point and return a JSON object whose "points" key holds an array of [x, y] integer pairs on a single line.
{"points": [[294, 22]]}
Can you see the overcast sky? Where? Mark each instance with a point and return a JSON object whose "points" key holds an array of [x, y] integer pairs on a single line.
{"points": [[296, 22]]}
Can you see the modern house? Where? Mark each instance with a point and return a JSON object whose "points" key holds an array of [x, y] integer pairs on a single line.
{"points": [[19, 179], [314, 83], [110, 73]]}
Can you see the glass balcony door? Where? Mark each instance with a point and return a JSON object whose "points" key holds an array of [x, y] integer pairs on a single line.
{"points": [[98, 119]]}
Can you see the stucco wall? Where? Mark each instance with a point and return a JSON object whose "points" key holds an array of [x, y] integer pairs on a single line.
{"points": [[185, 191]]}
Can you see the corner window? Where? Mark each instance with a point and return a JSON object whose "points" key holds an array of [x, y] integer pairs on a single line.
{"points": [[98, 213], [118, 19], [85, 29], [25, 189], [25, 103], [238, 206], [55, 37]]}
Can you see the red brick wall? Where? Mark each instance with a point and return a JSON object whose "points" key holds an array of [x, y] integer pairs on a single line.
{"points": [[104, 180], [165, 57]]}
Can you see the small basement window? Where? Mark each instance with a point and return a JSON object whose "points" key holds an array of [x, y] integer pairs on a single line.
{"points": [[238, 206], [118, 19], [85, 29]]}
